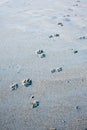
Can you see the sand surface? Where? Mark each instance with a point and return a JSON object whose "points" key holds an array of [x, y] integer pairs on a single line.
{"points": [[25, 27]]}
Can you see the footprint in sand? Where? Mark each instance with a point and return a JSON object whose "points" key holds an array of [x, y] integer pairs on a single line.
{"points": [[57, 70], [14, 86], [75, 51], [53, 70], [83, 37], [51, 36], [32, 96], [75, 5], [60, 24], [35, 103], [41, 54], [55, 35], [60, 69], [27, 82], [77, 107], [67, 15]]}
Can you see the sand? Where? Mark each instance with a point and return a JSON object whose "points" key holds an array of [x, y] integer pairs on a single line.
{"points": [[58, 27]]}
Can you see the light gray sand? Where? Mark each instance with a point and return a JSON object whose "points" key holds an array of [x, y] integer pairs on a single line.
{"points": [[25, 27]]}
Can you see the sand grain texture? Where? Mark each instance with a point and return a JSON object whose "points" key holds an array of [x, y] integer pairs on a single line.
{"points": [[27, 26]]}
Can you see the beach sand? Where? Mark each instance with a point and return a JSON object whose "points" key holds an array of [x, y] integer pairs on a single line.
{"points": [[59, 79]]}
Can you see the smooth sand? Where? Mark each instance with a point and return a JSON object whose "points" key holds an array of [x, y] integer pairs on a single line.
{"points": [[25, 27]]}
